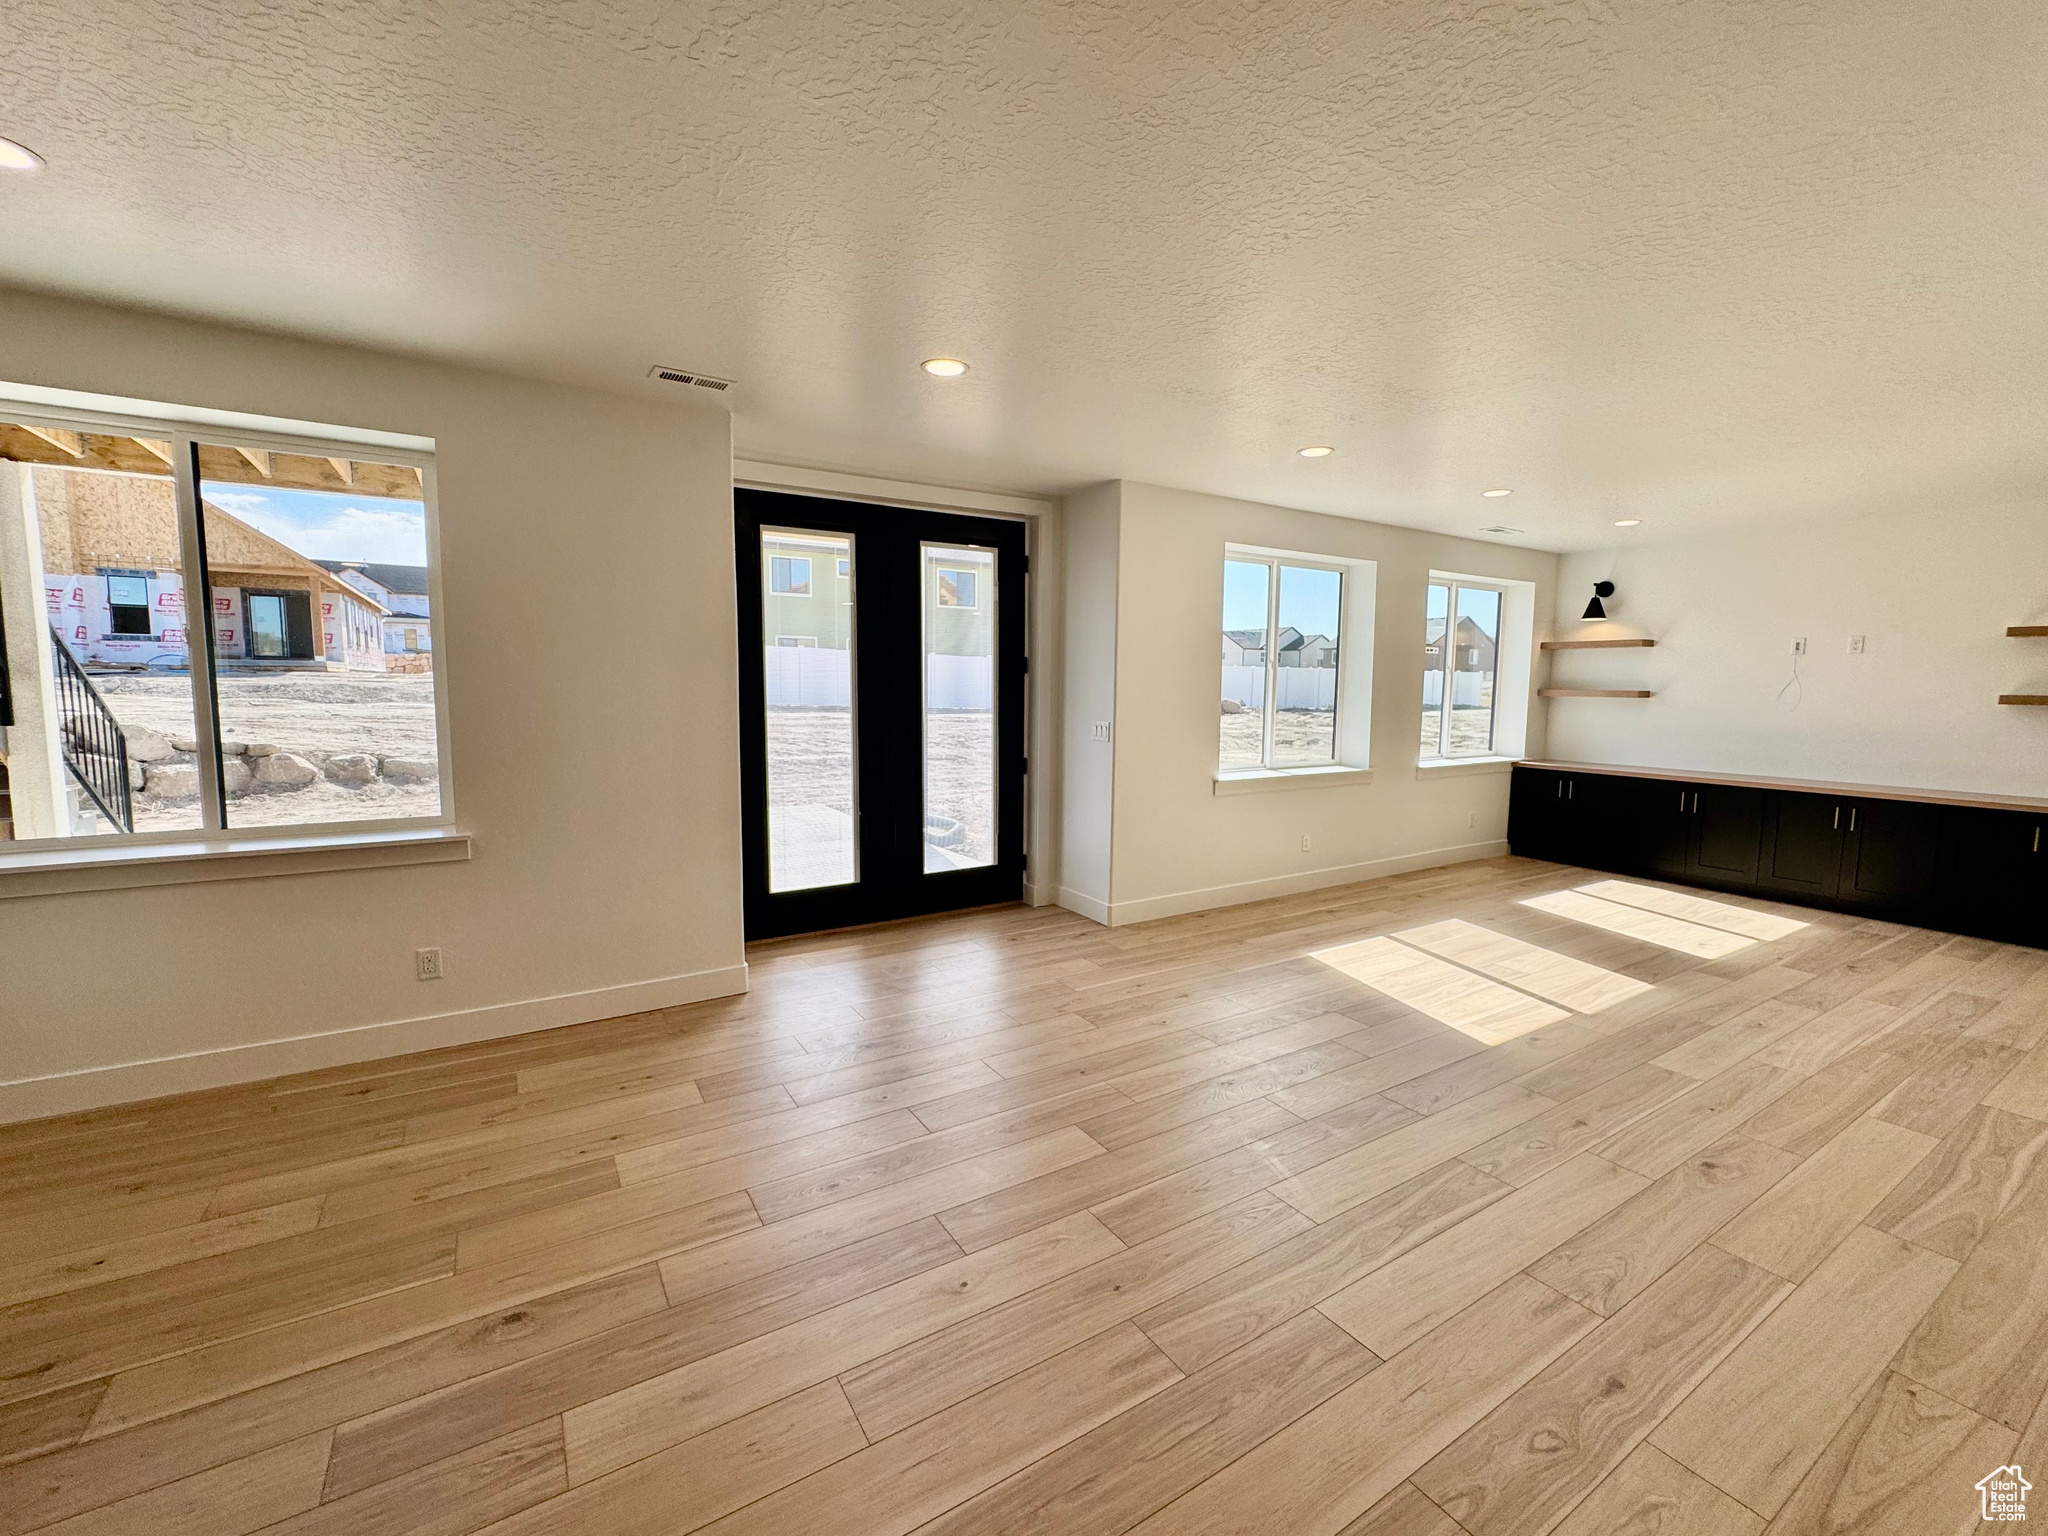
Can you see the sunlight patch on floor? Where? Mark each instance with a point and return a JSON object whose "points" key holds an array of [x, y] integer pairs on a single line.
{"points": [[1560, 979], [1474, 1006], [1696, 909], [1651, 927]]}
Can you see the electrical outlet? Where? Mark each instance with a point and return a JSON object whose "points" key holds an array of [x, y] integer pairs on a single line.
{"points": [[1856, 645], [1304, 842], [427, 963], [1799, 645], [1099, 729]]}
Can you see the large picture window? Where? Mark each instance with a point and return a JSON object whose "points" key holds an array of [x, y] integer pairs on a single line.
{"points": [[209, 631], [1281, 654], [1460, 669]]}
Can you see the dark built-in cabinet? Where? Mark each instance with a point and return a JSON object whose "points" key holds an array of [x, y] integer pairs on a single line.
{"points": [[1978, 869]]}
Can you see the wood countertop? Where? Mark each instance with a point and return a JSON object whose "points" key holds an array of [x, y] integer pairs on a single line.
{"points": [[1804, 786]]}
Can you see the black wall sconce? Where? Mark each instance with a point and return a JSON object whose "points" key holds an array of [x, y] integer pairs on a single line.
{"points": [[1595, 609]]}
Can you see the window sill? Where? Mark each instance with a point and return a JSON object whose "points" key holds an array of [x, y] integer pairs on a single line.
{"points": [[1461, 767], [59, 871], [1261, 780]]}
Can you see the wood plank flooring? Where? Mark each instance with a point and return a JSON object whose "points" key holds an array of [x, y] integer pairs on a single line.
{"points": [[1499, 1199]]}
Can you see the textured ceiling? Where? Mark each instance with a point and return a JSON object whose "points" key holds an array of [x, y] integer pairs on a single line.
{"points": [[1689, 260]]}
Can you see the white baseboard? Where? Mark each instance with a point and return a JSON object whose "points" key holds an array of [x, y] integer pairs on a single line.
{"points": [[1091, 907], [68, 1092], [1174, 904]]}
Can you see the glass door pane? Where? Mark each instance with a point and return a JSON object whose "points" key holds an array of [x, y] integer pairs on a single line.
{"points": [[1472, 668], [807, 653], [959, 599], [266, 628]]}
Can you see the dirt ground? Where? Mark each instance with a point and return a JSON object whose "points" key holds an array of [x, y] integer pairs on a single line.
{"points": [[810, 762], [1303, 735], [317, 715], [1471, 730], [1299, 736]]}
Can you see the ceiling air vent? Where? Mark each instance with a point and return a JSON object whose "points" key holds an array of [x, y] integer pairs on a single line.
{"points": [[684, 376], [1500, 528]]}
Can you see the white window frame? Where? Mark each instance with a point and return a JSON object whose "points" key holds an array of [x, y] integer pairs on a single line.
{"points": [[1350, 760], [792, 561], [1448, 668], [184, 429], [1513, 659]]}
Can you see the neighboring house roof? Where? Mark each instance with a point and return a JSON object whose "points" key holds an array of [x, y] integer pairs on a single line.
{"points": [[404, 580], [277, 554], [1469, 635], [1250, 639]]}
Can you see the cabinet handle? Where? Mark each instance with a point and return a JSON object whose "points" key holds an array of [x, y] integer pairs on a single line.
{"points": [[1560, 789], [1681, 802], [2037, 837], [1571, 789], [1695, 802], [1838, 818], [1852, 818]]}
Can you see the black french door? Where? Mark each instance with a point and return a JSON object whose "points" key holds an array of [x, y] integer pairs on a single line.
{"points": [[882, 682]]}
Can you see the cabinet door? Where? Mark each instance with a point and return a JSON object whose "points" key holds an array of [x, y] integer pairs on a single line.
{"points": [[1727, 825], [1888, 854], [1663, 827], [1992, 874], [1802, 849], [1536, 814], [1598, 811]]}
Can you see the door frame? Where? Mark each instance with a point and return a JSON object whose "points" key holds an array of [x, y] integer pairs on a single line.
{"points": [[284, 595], [1043, 519], [888, 712]]}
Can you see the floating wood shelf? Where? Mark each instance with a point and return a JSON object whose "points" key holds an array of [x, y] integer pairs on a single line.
{"points": [[2026, 629], [1619, 693], [2023, 698], [1606, 645]]}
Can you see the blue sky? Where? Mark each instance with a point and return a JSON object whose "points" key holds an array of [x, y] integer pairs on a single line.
{"points": [[1308, 599], [1479, 604], [330, 525]]}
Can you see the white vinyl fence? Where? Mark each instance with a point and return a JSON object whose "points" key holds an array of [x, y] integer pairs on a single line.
{"points": [[1300, 687], [1468, 690], [808, 677], [811, 677]]}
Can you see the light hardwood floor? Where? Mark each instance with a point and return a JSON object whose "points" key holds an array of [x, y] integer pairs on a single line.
{"points": [[1404, 1209]]}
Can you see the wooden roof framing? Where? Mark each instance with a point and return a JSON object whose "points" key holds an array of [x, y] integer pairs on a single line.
{"points": [[240, 466]]}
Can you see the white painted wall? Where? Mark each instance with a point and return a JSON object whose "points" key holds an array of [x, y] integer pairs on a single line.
{"points": [[601, 781], [1174, 844], [1090, 521], [1933, 593]]}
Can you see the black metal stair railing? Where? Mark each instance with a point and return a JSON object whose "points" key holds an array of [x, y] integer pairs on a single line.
{"points": [[94, 749]]}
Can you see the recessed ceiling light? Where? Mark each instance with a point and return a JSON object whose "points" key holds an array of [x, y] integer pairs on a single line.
{"points": [[18, 157], [1502, 491], [1628, 522], [943, 367], [1316, 451]]}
